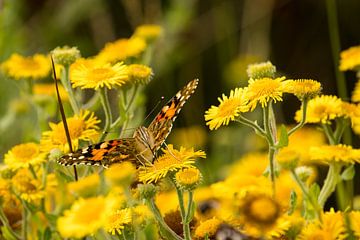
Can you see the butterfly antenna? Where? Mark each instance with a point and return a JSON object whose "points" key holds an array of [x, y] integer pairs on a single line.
{"points": [[157, 104], [166, 146]]}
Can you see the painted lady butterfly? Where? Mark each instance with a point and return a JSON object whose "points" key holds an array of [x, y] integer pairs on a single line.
{"points": [[142, 147]]}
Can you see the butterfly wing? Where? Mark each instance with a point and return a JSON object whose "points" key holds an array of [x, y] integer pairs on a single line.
{"points": [[161, 126], [103, 153]]}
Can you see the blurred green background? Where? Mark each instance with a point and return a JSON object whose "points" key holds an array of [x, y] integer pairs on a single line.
{"points": [[212, 40]]}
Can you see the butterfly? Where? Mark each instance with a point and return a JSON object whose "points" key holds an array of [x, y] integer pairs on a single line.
{"points": [[142, 147]]}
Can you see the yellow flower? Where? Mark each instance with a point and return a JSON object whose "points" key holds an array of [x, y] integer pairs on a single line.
{"points": [[355, 222], [229, 108], [121, 174], [28, 188], [139, 73], [23, 155], [335, 153], [288, 158], [48, 89], [250, 164], [167, 202], [188, 178], [350, 59], [85, 186], [141, 214], [81, 127], [122, 49], [170, 161], [148, 31], [86, 216], [264, 90], [88, 73], [355, 97], [322, 109], [331, 228], [35, 67], [207, 228], [302, 88], [116, 221]]}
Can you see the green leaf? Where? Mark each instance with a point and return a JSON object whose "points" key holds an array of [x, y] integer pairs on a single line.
{"points": [[293, 202], [348, 173], [314, 192], [284, 138], [7, 234]]}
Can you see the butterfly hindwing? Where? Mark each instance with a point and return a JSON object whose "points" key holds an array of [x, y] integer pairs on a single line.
{"points": [[104, 153]]}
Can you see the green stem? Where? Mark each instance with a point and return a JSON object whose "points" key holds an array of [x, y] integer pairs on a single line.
{"points": [[181, 204], [188, 216], [6, 223], [92, 101], [24, 222], [32, 170], [107, 111], [330, 183], [303, 117], [65, 80], [169, 232], [329, 133], [254, 125], [307, 195]]}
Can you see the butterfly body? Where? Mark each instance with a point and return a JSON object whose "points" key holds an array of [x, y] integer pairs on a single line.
{"points": [[142, 147]]}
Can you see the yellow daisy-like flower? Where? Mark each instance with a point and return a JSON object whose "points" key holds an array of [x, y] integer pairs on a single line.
{"points": [[350, 59], [302, 88], [116, 221], [355, 222], [331, 228], [85, 186], [35, 67], [122, 49], [335, 153], [288, 158], [23, 155], [188, 178], [89, 73], [81, 127], [229, 108], [139, 73], [48, 90], [170, 161], [207, 228], [322, 109], [150, 32], [86, 216], [28, 188], [264, 90], [121, 174], [355, 97]]}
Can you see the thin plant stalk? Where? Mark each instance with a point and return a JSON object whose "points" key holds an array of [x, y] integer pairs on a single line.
{"points": [[107, 111], [330, 183], [65, 80]]}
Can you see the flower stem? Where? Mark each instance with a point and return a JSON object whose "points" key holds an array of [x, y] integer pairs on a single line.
{"points": [[306, 194], [329, 183], [329, 133], [183, 214], [303, 117], [170, 234], [107, 110], [5, 222], [188, 216], [24, 222], [251, 124], [65, 80]]}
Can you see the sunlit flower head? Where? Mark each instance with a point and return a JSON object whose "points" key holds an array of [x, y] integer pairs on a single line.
{"points": [[89, 73], [261, 70], [81, 127], [23, 155], [250, 164], [122, 49], [85, 186], [188, 178], [229, 108], [350, 59], [172, 160], [302, 88], [86, 216], [65, 55], [34, 67], [263, 91], [150, 32], [139, 73], [117, 220], [288, 158], [355, 222], [322, 109], [332, 227], [207, 228], [27, 187], [334, 153]]}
